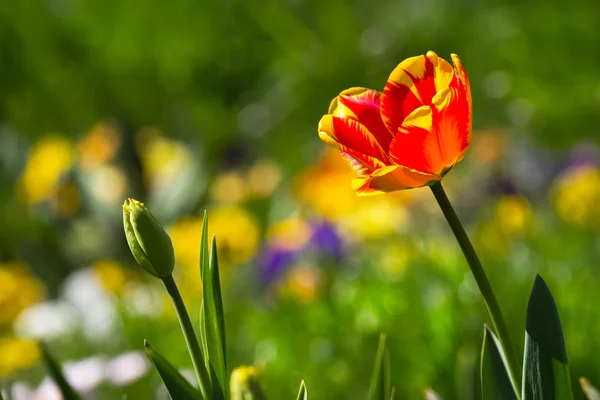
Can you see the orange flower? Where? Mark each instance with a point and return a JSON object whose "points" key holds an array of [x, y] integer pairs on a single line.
{"points": [[410, 135]]}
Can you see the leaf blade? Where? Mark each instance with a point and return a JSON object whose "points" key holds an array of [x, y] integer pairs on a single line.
{"points": [[55, 371], [380, 387], [178, 387], [495, 380], [302, 393], [545, 370]]}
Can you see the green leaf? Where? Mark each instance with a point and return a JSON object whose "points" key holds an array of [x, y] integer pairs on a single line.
{"points": [[212, 321], [495, 381], [178, 387], [590, 391], [302, 393], [380, 387], [55, 372], [546, 369], [393, 394]]}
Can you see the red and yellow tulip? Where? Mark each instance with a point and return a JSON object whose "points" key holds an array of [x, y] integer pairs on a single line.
{"points": [[411, 134]]}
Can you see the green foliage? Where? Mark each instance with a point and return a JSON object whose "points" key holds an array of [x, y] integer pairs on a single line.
{"points": [[212, 321], [495, 381], [55, 371], [179, 388], [302, 393], [546, 371], [380, 388]]}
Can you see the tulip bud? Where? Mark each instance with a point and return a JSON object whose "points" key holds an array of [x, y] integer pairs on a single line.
{"points": [[244, 384], [148, 241]]}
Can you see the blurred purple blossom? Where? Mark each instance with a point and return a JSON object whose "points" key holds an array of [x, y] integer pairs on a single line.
{"points": [[325, 239]]}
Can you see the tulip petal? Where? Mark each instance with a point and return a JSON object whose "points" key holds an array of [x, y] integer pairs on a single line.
{"points": [[347, 132], [413, 83], [391, 178], [363, 106], [434, 138]]}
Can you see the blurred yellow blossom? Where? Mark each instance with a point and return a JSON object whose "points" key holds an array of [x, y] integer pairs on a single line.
{"points": [[237, 241], [513, 214], [576, 195], [292, 233], [17, 354], [326, 188], [66, 202], [263, 178], [108, 184], [244, 384], [302, 283], [20, 289], [228, 188], [99, 146], [395, 260], [162, 158], [50, 158], [236, 231], [113, 276]]}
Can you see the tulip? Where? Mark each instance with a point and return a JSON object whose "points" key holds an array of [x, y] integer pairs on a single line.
{"points": [[149, 243], [411, 134]]}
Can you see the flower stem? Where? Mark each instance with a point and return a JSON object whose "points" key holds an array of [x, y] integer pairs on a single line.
{"points": [[514, 367], [190, 338]]}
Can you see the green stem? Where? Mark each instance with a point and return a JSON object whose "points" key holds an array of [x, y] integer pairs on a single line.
{"points": [[514, 367], [190, 338]]}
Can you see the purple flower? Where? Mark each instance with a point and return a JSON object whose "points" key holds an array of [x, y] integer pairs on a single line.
{"points": [[326, 240]]}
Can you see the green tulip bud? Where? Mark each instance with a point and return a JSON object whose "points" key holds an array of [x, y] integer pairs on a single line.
{"points": [[150, 244], [244, 385]]}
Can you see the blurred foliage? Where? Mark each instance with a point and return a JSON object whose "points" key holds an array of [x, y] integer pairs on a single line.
{"points": [[190, 105]]}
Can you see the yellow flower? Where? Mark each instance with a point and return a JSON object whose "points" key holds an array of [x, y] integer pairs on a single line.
{"points": [[263, 178], [576, 195], [244, 384], [291, 233], [17, 354], [99, 146], [20, 289], [162, 158], [228, 188], [513, 214], [113, 276], [50, 158], [302, 283], [325, 187]]}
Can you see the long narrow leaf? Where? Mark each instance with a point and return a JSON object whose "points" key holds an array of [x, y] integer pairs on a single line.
{"points": [[590, 391], [212, 322], [495, 381], [178, 387], [302, 393], [546, 369], [380, 388], [55, 372]]}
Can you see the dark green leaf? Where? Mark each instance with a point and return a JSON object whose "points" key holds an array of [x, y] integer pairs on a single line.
{"points": [[178, 387], [590, 391], [55, 372], [495, 381], [380, 387], [546, 370], [212, 322], [302, 393]]}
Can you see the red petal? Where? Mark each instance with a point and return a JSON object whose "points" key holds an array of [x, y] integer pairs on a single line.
{"points": [[391, 178], [413, 83], [364, 107], [433, 139], [351, 134]]}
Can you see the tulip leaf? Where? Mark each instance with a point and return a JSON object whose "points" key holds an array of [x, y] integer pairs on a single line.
{"points": [[546, 369], [178, 387], [393, 394], [380, 387], [590, 391], [430, 394], [212, 321], [302, 393], [495, 381], [55, 371]]}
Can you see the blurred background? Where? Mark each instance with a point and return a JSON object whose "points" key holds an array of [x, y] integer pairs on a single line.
{"points": [[192, 105]]}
